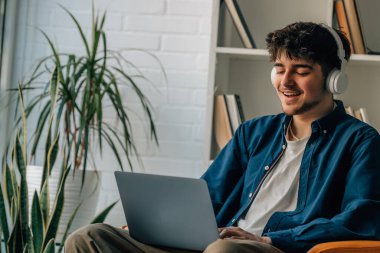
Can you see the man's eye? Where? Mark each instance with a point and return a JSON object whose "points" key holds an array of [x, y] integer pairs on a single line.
{"points": [[303, 73]]}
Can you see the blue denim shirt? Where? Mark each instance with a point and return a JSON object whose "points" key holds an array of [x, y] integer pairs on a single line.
{"points": [[339, 193]]}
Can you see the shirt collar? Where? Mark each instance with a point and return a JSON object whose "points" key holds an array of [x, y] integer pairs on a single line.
{"points": [[329, 121], [324, 124]]}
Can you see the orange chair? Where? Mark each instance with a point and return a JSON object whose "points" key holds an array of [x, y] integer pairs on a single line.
{"points": [[347, 247]]}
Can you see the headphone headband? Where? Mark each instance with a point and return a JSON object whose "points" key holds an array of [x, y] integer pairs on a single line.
{"points": [[341, 53]]}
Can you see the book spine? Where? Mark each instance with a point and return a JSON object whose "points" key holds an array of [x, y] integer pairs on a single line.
{"points": [[342, 21], [364, 114], [232, 111], [349, 111], [240, 108], [358, 115], [240, 23], [221, 125], [353, 23], [229, 113]]}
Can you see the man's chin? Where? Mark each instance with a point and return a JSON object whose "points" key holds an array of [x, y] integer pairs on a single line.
{"points": [[290, 111], [297, 110]]}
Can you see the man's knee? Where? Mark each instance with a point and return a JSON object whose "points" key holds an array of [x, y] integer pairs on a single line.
{"points": [[222, 246], [240, 246], [81, 237]]}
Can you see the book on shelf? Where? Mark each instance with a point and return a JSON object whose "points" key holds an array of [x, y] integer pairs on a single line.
{"points": [[354, 27], [369, 20], [240, 23], [228, 115], [364, 114], [235, 110], [240, 108], [360, 113], [221, 123], [342, 21], [349, 110]]}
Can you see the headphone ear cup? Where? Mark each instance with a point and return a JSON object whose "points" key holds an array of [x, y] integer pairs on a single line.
{"points": [[336, 82], [341, 83], [273, 75]]}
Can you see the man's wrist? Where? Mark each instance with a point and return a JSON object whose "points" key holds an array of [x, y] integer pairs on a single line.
{"points": [[267, 239]]}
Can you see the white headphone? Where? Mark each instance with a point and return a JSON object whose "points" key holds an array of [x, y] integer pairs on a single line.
{"points": [[336, 80]]}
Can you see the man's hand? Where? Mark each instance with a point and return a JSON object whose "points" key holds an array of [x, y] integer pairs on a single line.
{"points": [[238, 233]]}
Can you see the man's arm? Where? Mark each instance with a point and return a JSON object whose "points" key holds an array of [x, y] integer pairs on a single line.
{"points": [[360, 215], [226, 170]]}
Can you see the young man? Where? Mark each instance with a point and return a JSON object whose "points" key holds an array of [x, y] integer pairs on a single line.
{"points": [[287, 182]]}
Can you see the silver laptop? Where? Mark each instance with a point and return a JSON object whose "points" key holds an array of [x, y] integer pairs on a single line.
{"points": [[167, 211]]}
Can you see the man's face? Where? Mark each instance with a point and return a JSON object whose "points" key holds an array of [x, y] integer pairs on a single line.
{"points": [[300, 86]]}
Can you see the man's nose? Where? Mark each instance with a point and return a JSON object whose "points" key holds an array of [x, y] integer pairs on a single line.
{"points": [[287, 79]]}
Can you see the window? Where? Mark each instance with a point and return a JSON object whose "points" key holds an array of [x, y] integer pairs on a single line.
{"points": [[3, 4]]}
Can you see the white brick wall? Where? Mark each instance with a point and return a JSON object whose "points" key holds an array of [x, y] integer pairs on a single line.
{"points": [[178, 33]]}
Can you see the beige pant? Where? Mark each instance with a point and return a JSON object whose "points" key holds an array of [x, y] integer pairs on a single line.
{"points": [[105, 238]]}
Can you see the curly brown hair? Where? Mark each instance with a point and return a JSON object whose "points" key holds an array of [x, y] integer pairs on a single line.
{"points": [[310, 41]]}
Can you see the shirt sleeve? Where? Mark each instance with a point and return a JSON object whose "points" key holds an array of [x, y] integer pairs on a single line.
{"points": [[360, 208], [226, 170]]}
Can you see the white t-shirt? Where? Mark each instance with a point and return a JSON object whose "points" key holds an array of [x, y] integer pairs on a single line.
{"points": [[279, 191]]}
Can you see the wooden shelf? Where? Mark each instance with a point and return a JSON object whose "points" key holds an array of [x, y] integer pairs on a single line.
{"points": [[243, 53], [364, 60], [262, 54]]}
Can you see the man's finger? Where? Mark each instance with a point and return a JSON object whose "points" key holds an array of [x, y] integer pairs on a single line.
{"points": [[228, 232]]}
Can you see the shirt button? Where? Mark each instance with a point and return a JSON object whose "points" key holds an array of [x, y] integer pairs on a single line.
{"points": [[325, 131], [266, 167], [250, 195], [283, 146]]}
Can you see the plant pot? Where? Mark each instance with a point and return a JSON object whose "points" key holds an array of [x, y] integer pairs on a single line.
{"points": [[89, 195]]}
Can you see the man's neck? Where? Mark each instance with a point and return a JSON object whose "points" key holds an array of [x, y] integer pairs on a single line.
{"points": [[298, 130], [300, 125]]}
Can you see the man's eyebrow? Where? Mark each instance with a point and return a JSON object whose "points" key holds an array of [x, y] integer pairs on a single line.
{"points": [[295, 65]]}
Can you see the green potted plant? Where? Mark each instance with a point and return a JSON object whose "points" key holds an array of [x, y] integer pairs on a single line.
{"points": [[25, 226], [69, 108], [85, 84]]}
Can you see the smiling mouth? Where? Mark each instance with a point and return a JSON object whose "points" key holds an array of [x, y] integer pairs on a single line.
{"points": [[291, 93]]}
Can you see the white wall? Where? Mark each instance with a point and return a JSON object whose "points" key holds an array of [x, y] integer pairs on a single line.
{"points": [[178, 33]]}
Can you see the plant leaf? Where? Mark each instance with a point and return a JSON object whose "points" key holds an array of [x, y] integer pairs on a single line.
{"points": [[86, 144], [113, 147], [41, 123], [103, 214], [55, 56], [45, 168], [23, 195], [3, 216], [15, 242], [144, 102], [37, 223], [53, 153], [10, 183], [68, 226], [20, 158], [29, 248], [24, 210], [52, 225], [45, 200], [50, 247], [80, 31]]}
